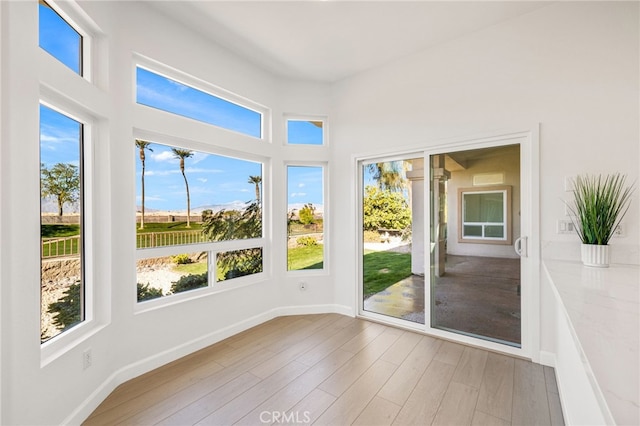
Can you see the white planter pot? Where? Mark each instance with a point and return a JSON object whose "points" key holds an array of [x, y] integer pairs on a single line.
{"points": [[595, 255]]}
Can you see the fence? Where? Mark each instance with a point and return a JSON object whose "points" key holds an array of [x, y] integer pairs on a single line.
{"points": [[60, 247], [68, 246], [161, 239]]}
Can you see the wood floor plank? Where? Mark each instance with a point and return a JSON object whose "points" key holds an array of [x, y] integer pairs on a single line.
{"points": [[471, 367], [311, 407], [356, 366], [484, 419], [212, 401], [294, 392], [184, 397], [379, 412], [402, 348], [457, 406], [449, 353], [555, 409], [315, 354], [240, 406], [422, 405], [350, 404], [530, 403], [401, 384], [496, 390], [334, 369]]}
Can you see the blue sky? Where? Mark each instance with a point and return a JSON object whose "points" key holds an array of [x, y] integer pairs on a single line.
{"points": [[213, 179]]}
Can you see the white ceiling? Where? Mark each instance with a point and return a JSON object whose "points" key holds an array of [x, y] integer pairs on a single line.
{"points": [[329, 40]]}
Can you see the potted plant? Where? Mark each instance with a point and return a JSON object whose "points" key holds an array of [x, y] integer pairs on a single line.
{"points": [[599, 205]]}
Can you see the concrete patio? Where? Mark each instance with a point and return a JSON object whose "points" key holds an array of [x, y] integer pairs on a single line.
{"points": [[477, 295]]}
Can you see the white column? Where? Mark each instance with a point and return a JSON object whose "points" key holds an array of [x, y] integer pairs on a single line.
{"points": [[418, 236]]}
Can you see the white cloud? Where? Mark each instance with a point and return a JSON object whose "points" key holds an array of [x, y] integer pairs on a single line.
{"points": [[298, 194], [301, 185], [203, 180], [163, 156]]}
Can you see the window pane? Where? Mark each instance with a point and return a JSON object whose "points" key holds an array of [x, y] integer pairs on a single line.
{"points": [[59, 38], [484, 207], [163, 276], [187, 197], [169, 95], [62, 283], [492, 231], [300, 132], [473, 231], [305, 217], [238, 263]]}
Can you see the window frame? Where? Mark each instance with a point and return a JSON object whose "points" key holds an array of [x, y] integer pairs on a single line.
{"points": [[53, 346], [325, 218], [212, 248], [303, 117], [148, 64], [86, 29], [506, 209]]}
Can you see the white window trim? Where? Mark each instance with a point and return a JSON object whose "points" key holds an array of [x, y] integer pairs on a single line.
{"points": [[506, 211], [62, 342]]}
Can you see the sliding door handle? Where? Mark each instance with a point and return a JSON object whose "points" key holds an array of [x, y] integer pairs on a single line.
{"points": [[520, 246]]}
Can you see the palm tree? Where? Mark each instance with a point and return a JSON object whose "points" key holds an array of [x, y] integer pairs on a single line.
{"points": [[256, 180], [389, 175], [142, 145], [181, 154]]}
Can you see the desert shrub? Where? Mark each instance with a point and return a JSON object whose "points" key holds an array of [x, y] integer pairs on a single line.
{"points": [[147, 293], [306, 241], [190, 282], [181, 259]]}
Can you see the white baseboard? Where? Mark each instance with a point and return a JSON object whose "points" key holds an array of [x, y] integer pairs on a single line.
{"points": [[548, 359], [157, 360]]}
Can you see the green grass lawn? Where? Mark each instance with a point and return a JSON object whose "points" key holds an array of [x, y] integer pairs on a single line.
{"points": [[309, 257], [59, 231], [384, 268]]}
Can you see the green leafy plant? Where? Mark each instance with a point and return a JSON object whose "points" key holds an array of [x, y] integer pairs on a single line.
{"points": [[145, 292], [600, 204], [181, 259], [189, 282], [306, 241]]}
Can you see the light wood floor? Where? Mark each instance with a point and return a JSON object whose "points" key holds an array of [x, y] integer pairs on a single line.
{"points": [[335, 370]]}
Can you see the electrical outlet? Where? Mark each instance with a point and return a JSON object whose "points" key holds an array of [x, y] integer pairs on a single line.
{"points": [[87, 359], [565, 227], [303, 286]]}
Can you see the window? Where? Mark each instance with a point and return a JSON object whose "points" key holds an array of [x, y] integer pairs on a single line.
{"points": [[485, 215], [305, 219], [59, 38], [157, 91], [61, 223], [196, 212], [305, 132]]}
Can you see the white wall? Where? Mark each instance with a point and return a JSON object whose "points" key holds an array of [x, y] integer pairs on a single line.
{"points": [[573, 67], [51, 387]]}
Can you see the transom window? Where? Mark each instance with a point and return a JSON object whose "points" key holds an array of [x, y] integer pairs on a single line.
{"points": [[485, 215], [59, 38], [166, 94], [305, 132]]}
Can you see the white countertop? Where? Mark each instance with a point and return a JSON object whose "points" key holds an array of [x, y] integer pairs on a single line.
{"points": [[602, 305]]}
